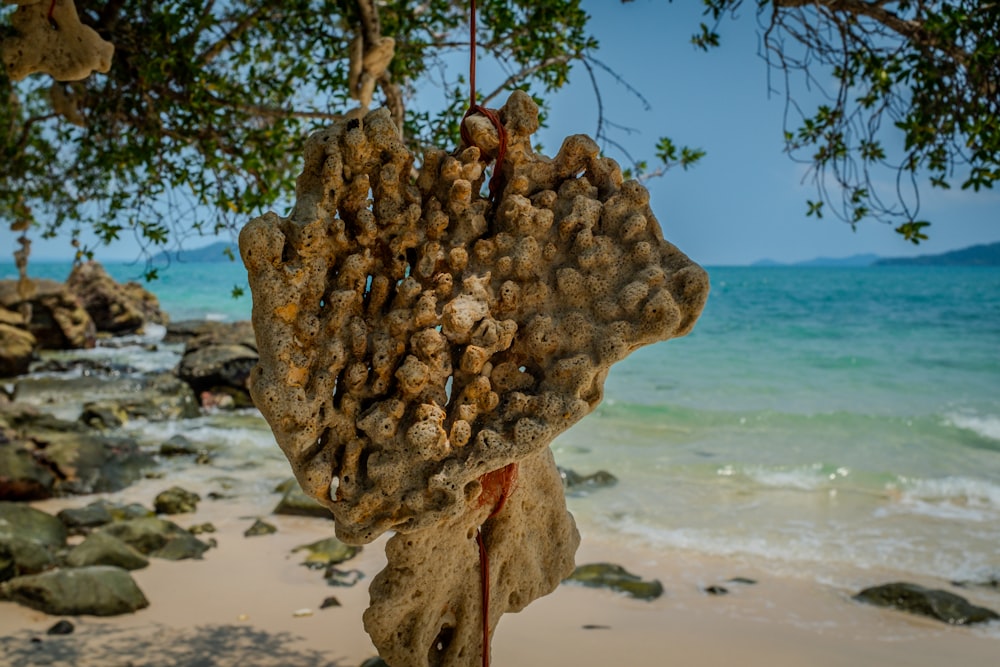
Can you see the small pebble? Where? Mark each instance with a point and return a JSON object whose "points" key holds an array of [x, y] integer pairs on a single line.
{"points": [[302, 613], [329, 602], [716, 590], [62, 627]]}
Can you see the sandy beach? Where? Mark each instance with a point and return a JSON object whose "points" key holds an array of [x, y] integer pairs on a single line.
{"points": [[250, 602]]}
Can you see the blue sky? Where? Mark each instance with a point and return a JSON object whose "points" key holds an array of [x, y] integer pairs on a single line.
{"points": [[746, 200]]}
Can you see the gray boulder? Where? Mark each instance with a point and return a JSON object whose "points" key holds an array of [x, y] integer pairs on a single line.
{"points": [[103, 549], [20, 556], [97, 591], [77, 458], [81, 519], [22, 477], [217, 363], [935, 603], [24, 521], [157, 537]]}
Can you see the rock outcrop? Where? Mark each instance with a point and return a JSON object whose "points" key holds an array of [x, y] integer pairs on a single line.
{"points": [[418, 353], [17, 344], [58, 319], [217, 364], [116, 308], [934, 603], [42, 456]]}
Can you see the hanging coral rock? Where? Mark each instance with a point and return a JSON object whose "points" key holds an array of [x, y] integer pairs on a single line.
{"points": [[414, 343], [49, 38]]}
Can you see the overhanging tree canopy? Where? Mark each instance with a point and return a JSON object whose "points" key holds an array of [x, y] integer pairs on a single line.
{"points": [[928, 69], [206, 104]]}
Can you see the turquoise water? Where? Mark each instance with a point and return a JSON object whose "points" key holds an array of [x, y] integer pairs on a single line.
{"points": [[834, 422]]}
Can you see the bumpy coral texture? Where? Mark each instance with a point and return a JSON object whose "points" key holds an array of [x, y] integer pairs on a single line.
{"points": [[415, 339], [60, 46], [412, 344]]}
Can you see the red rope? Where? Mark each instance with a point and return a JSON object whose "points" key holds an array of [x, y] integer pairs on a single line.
{"points": [[498, 484], [498, 180], [497, 487]]}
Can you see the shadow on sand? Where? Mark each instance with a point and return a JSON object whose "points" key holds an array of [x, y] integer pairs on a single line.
{"points": [[206, 646]]}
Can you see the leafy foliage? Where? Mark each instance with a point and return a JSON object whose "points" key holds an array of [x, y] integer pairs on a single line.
{"points": [[208, 103], [928, 69]]}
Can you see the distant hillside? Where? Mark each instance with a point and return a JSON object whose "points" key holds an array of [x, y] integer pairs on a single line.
{"points": [[853, 260], [214, 252], [985, 254]]}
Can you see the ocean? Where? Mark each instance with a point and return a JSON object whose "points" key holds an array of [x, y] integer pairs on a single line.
{"points": [[834, 423]]}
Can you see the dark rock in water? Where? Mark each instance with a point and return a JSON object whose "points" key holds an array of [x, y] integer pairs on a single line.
{"points": [[993, 583], [260, 528], [575, 483], [58, 318], [104, 549], [329, 602], [20, 556], [178, 445], [80, 459], [116, 308], [716, 590], [103, 415], [155, 537], [329, 551], [295, 502], [743, 580], [217, 363], [62, 627], [935, 603], [615, 577], [96, 591], [374, 662], [26, 522], [176, 500], [17, 350], [158, 397], [342, 578], [85, 367]]}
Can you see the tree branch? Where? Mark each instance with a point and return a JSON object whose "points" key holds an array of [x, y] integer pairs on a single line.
{"points": [[912, 30], [525, 73], [227, 40]]}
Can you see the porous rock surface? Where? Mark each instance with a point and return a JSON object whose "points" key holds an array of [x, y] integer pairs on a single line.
{"points": [[412, 343], [60, 46]]}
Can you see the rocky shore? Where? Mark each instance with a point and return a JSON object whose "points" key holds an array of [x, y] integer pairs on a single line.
{"points": [[128, 441]]}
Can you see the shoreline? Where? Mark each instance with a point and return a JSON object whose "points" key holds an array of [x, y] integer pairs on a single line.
{"points": [[244, 603]]}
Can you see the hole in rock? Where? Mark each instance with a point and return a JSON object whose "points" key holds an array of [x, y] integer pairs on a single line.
{"points": [[440, 646]]}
